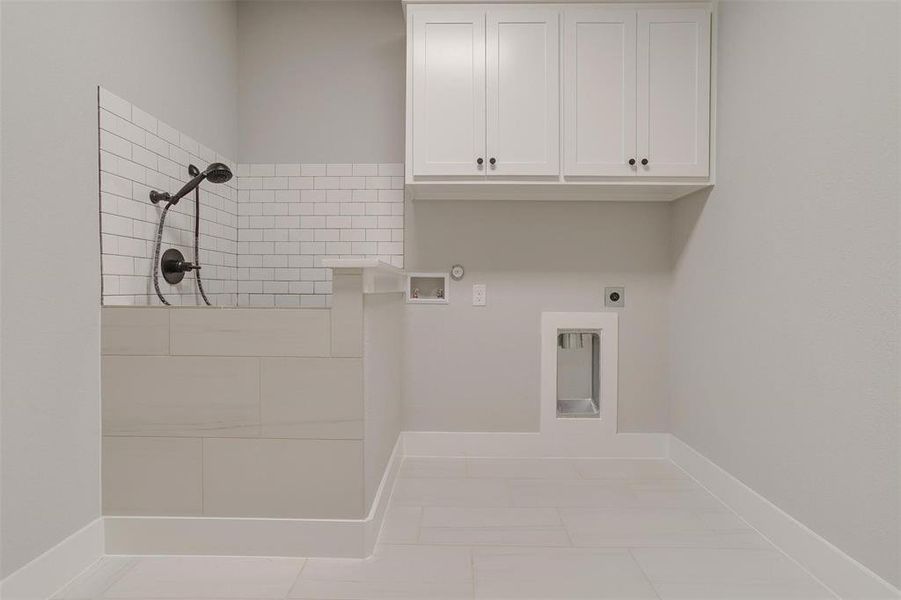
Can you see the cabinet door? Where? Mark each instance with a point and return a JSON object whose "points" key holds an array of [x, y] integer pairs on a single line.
{"points": [[448, 91], [599, 92], [523, 91], [674, 92]]}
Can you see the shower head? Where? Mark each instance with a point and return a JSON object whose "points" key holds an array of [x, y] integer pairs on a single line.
{"points": [[216, 173]]}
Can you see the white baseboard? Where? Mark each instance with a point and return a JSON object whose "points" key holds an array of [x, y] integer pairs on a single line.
{"points": [[215, 536], [49, 572], [842, 574], [535, 445]]}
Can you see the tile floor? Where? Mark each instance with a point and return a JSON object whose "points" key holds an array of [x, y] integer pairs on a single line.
{"points": [[504, 528]]}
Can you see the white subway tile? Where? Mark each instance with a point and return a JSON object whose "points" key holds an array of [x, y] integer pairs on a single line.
{"points": [[312, 247], [391, 222], [287, 170], [275, 183], [326, 235], [364, 247], [326, 183], [327, 208], [378, 208], [262, 196], [300, 183], [338, 248], [342, 170], [262, 170], [343, 222], [287, 196], [378, 235], [391, 169], [364, 170], [354, 235], [115, 104], [352, 183], [143, 119], [313, 196], [391, 195], [114, 144], [189, 144], [312, 170], [378, 183], [170, 134], [353, 208]]}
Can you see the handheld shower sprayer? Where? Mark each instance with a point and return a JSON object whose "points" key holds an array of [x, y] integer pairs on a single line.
{"points": [[215, 173], [173, 263]]}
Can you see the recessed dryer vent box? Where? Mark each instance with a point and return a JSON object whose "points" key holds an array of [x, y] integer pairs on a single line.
{"points": [[578, 374], [427, 288]]}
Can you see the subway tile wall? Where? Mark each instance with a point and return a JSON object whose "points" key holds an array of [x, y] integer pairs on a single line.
{"points": [[292, 216], [264, 234], [139, 153]]}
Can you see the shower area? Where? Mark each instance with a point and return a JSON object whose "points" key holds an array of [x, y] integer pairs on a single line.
{"points": [[260, 233], [251, 342]]}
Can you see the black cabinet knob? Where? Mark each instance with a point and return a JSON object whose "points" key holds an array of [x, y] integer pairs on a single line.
{"points": [[479, 161], [632, 161], [492, 160], [644, 161]]}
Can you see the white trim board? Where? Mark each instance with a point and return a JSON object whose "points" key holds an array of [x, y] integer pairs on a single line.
{"points": [[535, 445], [55, 568], [836, 570], [224, 536]]}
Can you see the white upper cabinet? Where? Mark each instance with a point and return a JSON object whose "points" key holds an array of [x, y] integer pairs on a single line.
{"points": [[600, 104], [559, 100], [448, 100], [523, 91], [673, 92]]}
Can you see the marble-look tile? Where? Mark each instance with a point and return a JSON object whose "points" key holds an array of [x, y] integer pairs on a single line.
{"points": [[450, 492], [558, 573], [809, 590], [97, 579], [347, 315], [152, 476], [250, 332], [570, 493], [314, 398], [312, 479], [397, 564], [401, 525], [134, 331], [627, 468], [376, 590], [521, 468], [706, 565], [203, 396], [448, 516], [415, 466], [652, 527], [495, 536], [207, 577]]}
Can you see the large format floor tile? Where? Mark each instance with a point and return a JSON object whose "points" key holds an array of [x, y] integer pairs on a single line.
{"points": [[459, 528], [558, 573], [207, 577]]}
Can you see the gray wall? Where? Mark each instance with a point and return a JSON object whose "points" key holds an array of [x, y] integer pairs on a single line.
{"points": [[53, 57], [785, 314], [477, 368], [321, 82]]}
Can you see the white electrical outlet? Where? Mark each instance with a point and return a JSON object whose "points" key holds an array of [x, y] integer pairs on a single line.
{"points": [[479, 294]]}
